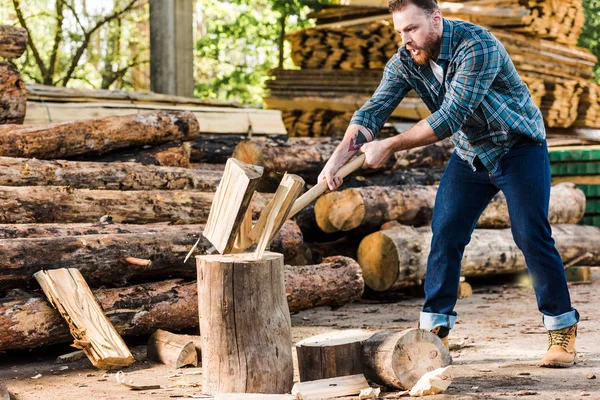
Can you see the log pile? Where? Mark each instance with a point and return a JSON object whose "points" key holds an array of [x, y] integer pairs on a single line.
{"points": [[343, 56]]}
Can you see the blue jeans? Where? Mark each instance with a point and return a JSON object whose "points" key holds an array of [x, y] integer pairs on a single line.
{"points": [[463, 194]]}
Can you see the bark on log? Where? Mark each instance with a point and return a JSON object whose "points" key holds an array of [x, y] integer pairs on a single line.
{"points": [[368, 208], [214, 149], [396, 258], [13, 41], [336, 281], [398, 359], [172, 154], [96, 136], [248, 348], [172, 349], [27, 320], [13, 96], [101, 252], [103, 175]]}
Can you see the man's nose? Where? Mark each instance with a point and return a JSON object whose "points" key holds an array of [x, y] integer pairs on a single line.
{"points": [[406, 39]]}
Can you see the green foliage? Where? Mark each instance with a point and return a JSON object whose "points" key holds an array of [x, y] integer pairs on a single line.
{"points": [[590, 37], [239, 45]]}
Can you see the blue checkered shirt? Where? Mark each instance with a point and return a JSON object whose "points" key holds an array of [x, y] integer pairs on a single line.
{"points": [[481, 102]]}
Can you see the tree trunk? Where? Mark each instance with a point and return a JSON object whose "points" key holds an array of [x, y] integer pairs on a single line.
{"points": [[13, 41], [13, 96], [396, 258], [172, 154], [247, 348], [27, 320], [103, 175], [336, 281], [398, 359], [96, 136], [106, 254], [214, 149], [368, 208]]}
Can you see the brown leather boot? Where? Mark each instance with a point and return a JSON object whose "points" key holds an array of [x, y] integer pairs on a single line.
{"points": [[442, 332], [561, 348]]}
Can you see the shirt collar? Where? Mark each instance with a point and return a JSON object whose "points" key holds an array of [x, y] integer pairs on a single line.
{"points": [[446, 45]]}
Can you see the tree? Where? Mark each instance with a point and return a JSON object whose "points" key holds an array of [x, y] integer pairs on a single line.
{"points": [[590, 37]]}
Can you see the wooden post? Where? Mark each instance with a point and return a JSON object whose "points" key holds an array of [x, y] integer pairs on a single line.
{"points": [[244, 324]]}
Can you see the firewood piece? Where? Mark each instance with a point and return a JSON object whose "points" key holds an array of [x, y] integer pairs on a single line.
{"points": [[331, 387], [70, 357], [103, 175], [171, 349], [94, 334], [230, 203], [399, 358], [248, 348], [96, 136], [579, 274], [336, 281], [214, 149], [253, 396], [464, 289], [331, 354], [275, 214], [4, 393], [395, 258], [171, 154], [13, 41], [13, 96], [433, 382], [242, 241]]}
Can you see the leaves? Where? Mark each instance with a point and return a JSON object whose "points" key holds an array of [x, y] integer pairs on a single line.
{"points": [[590, 37]]}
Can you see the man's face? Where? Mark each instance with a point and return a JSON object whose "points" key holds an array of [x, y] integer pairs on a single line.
{"points": [[419, 31]]}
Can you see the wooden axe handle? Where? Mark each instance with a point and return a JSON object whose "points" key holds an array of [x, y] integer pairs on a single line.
{"points": [[321, 187]]}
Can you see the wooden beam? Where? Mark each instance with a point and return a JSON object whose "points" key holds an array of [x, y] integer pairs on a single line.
{"points": [[94, 334]]}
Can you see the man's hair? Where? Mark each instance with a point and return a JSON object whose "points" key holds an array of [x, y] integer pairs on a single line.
{"points": [[429, 6]]}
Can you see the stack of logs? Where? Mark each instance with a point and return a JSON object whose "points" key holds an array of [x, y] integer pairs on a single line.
{"points": [[351, 44]]}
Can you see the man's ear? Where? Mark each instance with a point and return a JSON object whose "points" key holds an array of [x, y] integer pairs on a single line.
{"points": [[436, 18]]}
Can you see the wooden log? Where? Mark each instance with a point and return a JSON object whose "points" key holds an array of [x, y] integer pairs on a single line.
{"points": [[68, 292], [331, 387], [248, 348], [171, 154], [103, 175], [334, 282], [230, 203], [13, 96], [398, 359], [28, 321], [368, 208], [214, 149], [13, 41], [171, 349], [396, 258], [331, 354], [96, 136]]}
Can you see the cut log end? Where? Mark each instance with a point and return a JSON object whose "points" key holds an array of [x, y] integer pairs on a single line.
{"points": [[322, 210], [349, 211], [248, 152], [378, 258]]}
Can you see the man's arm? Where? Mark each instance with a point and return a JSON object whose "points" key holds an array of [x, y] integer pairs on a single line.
{"points": [[368, 121]]}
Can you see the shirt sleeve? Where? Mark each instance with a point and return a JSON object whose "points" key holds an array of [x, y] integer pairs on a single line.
{"points": [[479, 67], [390, 92]]}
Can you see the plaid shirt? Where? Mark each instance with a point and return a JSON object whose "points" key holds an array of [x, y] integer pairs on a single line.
{"points": [[482, 102]]}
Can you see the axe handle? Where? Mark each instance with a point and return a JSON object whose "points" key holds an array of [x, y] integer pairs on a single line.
{"points": [[321, 187]]}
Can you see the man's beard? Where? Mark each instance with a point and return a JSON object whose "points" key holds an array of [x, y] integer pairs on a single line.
{"points": [[426, 53]]}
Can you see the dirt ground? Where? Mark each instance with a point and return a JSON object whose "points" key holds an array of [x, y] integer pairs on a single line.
{"points": [[499, 333]]}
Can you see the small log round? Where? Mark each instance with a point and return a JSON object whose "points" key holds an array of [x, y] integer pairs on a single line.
{"points": [[13, 41], [331, 354], [398, 359], [171, 349], [245, 324]]}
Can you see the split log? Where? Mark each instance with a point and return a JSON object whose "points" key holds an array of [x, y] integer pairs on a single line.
{"points": [[171, 154], [27, 320], [396, 258], [13, 96], [96, 136], [331, 354], [171, 349], [331, 388], [214, 149], [336, 281], [13, 41], [102, 251], [68, 292], [248, 348], [398, 359], [368, 208], [103, 175]]}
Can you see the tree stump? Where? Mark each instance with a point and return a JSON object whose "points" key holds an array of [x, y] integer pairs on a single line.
{"points": [[244, 324], [398, 359], [331, 354]]}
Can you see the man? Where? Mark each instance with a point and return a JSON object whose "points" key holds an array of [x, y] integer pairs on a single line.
{"points": [[467, 80]]}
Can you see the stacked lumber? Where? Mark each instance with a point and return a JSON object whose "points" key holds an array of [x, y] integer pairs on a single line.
{"points": [[354, 39]]}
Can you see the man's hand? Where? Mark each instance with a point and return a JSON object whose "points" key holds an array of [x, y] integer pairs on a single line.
{"points": [[377, 153], [328, 174]]}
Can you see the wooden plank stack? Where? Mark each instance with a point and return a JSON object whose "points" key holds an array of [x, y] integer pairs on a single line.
{"points": [[343, 56]]}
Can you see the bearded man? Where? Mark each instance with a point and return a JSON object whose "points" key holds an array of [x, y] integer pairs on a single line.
{"points": [[469, 83]]}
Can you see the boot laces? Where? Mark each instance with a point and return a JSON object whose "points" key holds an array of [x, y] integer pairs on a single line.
{"points": [[560, 337]]}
